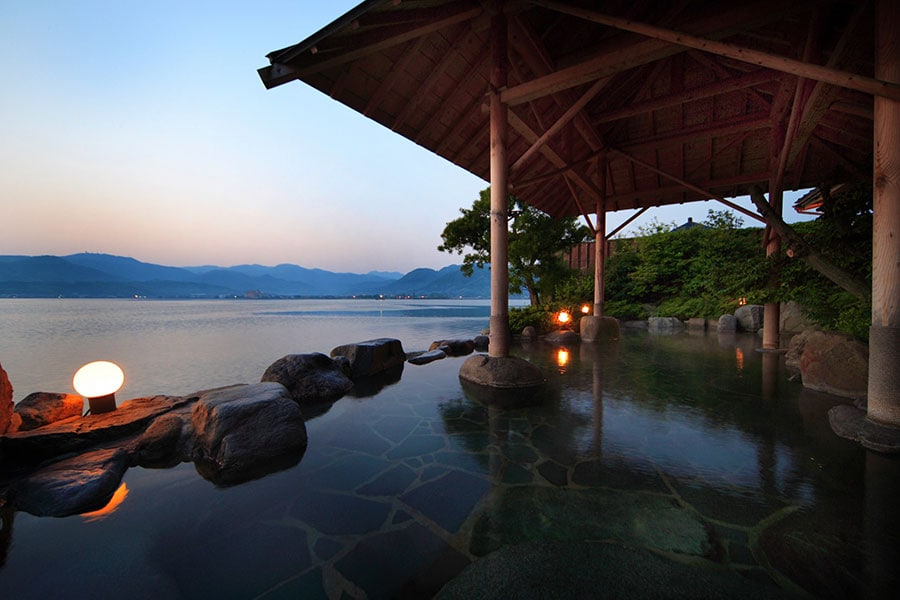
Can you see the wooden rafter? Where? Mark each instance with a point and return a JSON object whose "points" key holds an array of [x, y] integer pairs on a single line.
{"points": [[853, 81]]}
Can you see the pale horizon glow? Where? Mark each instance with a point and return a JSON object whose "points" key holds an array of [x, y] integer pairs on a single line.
{"points": [[143, 130]]}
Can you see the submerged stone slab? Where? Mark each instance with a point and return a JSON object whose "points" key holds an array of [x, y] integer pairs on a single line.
{"points": [[448, 500], [72, 486], [851, 423], [589, 570], [309, 378], [531, 513], [245, 431], [372, 356]]}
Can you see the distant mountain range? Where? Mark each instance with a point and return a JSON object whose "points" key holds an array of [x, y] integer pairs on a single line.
{"points": [[91, 275]]}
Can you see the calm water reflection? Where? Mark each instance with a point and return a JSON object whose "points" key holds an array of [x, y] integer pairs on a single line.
{"points": [[696, 447]]}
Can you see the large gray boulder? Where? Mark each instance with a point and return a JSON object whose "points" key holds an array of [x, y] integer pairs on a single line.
{"points": [[750, 317], [310, 378], [792, 318], [7, 422], [72, 486], [372, 357], [599, 329], [43, 408], [836, 364], [727, 323], [246, 431]]}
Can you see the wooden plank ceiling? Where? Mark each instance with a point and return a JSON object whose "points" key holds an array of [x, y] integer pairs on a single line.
{"points": [[654, 120]]}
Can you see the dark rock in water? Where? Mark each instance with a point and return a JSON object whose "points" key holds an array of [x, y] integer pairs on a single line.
{"points": [[529, 333], [364, 387], [481, 343], [246, 431], [372, 356], [43, 408], [501, 372], [8, 421], [835, 364], [309, 377], [727, 323], [750, 317], [423, 358], [599, 329], [166, 442], [24, 448], [75, 485], [565, 337], [454, 347]]}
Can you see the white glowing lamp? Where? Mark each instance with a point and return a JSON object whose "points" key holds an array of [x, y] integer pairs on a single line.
{"points": [[585, 309], [99, 381], [563, 317]]}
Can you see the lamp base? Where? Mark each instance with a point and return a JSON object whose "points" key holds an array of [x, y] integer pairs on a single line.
{"points": [[102, 404]]}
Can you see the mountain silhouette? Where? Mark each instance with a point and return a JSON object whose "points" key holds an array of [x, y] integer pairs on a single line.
{"points": [[92, 275]]}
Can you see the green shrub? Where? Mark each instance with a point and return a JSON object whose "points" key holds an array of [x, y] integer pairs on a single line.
{"points": [[539, 317]]}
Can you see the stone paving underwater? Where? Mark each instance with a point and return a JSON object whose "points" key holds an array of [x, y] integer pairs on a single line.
{"points": [[659, 466]]}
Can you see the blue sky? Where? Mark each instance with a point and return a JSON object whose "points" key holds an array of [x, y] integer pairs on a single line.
{"points": [[142, 129]]}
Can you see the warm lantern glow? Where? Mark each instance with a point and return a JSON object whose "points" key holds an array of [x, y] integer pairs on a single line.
{"points": [[99, 378], [562, 357], [739, 359], [117, 499], [98, 382], [563, 317], [742, 301], [586, 309]]}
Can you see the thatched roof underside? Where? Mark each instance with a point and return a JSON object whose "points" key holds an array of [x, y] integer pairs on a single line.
{"points": [[655, 121]]}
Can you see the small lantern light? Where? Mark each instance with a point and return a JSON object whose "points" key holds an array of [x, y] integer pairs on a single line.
{"points": [[585, 309], [99, 381], [563, 317]]}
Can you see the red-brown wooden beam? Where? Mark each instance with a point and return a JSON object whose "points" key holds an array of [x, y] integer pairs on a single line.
{"points": [[853, 81]]}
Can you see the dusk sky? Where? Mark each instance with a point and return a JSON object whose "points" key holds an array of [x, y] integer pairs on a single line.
{"points": [[142, 129]]}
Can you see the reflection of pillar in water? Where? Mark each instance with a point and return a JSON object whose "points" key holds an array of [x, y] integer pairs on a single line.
{"points": [[881, 526], [597, 421], [770, 370]]}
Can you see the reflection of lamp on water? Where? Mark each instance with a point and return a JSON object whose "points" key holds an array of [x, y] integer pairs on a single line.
{"points": [[739, 358], [98, 382], [117, 499], [562, 358]]}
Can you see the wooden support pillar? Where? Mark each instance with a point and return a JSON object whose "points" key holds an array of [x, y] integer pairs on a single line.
{"points": [[600, 260], [600, 243], [499, 324], [772, 310], [884, 334]]}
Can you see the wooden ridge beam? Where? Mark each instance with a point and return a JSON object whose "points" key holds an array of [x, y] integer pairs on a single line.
{"points": [[853, 81]]}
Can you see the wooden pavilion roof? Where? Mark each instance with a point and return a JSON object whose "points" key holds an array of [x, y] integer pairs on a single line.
{"points": [[698, 99]]}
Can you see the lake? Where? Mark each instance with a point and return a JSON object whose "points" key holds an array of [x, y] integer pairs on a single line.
{"points": [[683, 465]]}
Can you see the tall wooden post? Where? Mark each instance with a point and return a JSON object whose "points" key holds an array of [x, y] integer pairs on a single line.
{"points": [[884, 335], [500, 335], [600, 243], [772, 310]]}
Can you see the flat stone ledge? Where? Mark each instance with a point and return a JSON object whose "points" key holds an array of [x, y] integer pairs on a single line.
{"points": [[851, 423]]}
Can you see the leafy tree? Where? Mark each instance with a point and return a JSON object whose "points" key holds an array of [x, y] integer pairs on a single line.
{"points": [[537, 243]]}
